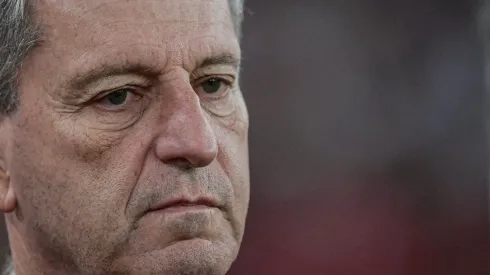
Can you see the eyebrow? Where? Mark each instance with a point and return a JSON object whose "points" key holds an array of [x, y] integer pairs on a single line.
{"points": [[220, 60], [84, 79]]}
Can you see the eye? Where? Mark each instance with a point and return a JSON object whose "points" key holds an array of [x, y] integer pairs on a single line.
{"points": [[118, 99], [213, 86]]}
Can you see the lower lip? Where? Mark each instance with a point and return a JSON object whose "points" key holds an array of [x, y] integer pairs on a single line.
{"points": [[184, 209]]}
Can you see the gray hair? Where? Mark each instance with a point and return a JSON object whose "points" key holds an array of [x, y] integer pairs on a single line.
{"points": [[18, 35], [8, 268]]}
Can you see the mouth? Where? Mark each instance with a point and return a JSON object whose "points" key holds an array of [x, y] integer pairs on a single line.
{"points": [[185, 205]]}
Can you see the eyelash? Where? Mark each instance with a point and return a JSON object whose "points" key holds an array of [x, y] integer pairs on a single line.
{"points": [[228, 81], [131, 89]]}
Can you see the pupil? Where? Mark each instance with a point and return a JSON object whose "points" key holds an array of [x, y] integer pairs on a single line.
{"points": [[212, 85], [118, 98]]}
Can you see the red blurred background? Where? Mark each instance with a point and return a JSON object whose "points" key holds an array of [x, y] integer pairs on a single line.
{"points": [[367, 139]]}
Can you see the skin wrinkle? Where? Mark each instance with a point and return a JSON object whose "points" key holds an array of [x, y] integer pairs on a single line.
{"points": [[152, 62], [86, 180]]}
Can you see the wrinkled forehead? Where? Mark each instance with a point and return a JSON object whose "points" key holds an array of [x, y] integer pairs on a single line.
{"points": [[149, 32], [90, 22], [106, 11]]}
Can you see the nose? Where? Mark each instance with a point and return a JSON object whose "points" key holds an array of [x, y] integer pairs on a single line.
{"points": [[187, 139]]}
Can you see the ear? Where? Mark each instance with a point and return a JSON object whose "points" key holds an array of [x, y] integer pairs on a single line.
{"points": [[8, 199]]}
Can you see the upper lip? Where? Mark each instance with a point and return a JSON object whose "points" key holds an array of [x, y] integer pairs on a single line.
{"points": [[184, 201]]}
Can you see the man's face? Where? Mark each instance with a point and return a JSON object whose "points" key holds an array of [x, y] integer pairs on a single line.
{"points": [[128, 108]]}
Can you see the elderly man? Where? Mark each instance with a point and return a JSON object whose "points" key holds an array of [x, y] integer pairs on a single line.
{"points": [[123, 136]]}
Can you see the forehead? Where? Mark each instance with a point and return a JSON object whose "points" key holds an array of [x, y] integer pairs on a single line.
{"points": [[99, 13], [152, 31]]}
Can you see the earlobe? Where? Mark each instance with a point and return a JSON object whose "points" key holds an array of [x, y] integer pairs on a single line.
{"points": [[8, 200]]}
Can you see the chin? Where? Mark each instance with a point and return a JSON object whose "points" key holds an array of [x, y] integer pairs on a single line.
{"points": [[185, 257]]}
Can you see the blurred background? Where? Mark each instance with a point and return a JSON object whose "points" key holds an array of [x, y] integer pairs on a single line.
{"points": [[367, 139]]}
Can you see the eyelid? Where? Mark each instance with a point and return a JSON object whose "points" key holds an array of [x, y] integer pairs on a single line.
{"points": [[227, 79], [133, 89], [98, 101], [218, 71]]}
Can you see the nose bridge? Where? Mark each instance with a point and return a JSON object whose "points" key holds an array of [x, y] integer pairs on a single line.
{"points": [[192, 123], [186, 138]]}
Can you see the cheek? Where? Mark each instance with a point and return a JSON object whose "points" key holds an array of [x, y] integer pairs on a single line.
{"points": [[233, 146], [67, 175], [37, 165], [233, 158], [77, 204]]}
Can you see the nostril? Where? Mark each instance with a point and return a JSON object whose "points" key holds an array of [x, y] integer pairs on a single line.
{"points": [[182, 163]]}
